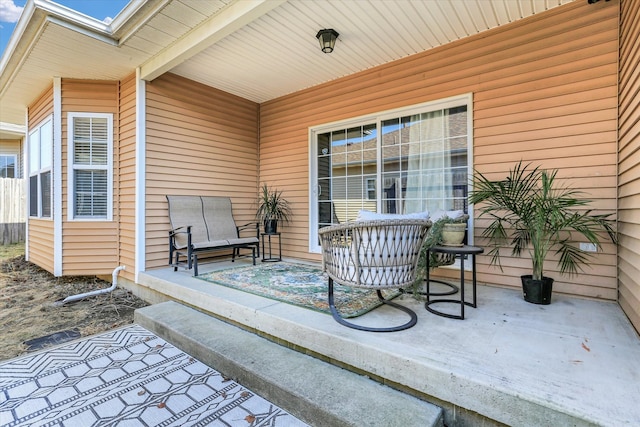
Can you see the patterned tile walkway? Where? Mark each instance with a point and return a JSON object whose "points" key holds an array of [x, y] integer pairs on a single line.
{"points": [[126, 377]]}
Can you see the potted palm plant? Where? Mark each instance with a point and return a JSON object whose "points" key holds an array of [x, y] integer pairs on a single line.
{"points": [[272, 207], [529, 212]]}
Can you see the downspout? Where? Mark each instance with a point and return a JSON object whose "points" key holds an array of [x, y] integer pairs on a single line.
{"points": [[79, 297]]}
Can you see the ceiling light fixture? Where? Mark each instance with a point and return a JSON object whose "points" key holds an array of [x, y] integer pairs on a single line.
{"points": [[327, 39]]}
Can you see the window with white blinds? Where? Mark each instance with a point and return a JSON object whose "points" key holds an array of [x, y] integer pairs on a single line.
{"points": [[90, 163]]}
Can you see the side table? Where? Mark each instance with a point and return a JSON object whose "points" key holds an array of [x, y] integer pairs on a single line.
{"points": [[460, 252], [271, 258]]}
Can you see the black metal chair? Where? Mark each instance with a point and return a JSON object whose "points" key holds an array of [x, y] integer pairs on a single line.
{"points": [[376, 255]]}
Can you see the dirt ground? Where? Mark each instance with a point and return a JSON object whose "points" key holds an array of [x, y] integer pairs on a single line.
{"points": [[28, 294]]}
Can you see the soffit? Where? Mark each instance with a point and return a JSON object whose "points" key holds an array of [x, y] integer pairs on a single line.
{"points": [[270, 56], [54, 44], [278, 53]]}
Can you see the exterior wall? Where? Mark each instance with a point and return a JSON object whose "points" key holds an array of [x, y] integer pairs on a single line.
{"points": [[126, 170], [14, 146], [89, 247], [629, 162], [200, 141], [40, 231], [544, 91]]}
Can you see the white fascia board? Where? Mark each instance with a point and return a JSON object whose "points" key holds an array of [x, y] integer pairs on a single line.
{"points": [[123, 17], [18, 32], [25, 35], [233, 17], [134, 16], [10, 128], [102, 36], [73, 17]]}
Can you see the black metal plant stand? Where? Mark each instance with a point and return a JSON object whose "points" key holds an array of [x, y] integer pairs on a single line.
{"points": [[271, 258], [460, 252]]}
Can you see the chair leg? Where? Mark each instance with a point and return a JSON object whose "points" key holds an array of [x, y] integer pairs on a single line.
{"points": [[195, 265], [339, 319], [177, 263]]}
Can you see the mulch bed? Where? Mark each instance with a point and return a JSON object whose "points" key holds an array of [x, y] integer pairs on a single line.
{"points": [[28, 312]]}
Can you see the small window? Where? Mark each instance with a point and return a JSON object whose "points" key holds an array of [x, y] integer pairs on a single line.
{"points": [[40, 160], [371, 189], [8, 166], [90, 154]]}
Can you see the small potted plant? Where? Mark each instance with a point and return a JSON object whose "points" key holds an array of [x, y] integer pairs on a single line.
{"points": [[529, 212], [272, 207], [444, 231]]}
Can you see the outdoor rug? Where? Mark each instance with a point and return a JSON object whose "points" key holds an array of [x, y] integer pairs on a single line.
{"points": [[298, 284], [127, 377]]}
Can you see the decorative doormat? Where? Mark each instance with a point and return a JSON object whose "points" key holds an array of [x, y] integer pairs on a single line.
{"points": [[127, 377], [298, 284]]}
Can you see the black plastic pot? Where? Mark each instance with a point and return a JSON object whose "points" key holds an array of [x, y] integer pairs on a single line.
{"points": [[537, 291], [271, 226]]}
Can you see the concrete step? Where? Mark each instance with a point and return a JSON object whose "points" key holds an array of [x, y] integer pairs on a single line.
{"points": [[314, 391]]}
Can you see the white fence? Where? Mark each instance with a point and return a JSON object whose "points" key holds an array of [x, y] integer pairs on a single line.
{"points": [[12, 210]]}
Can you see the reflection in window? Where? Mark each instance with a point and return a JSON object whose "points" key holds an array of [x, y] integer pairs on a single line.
{"points": [[40, 160], [8, 166], [415, 161]]}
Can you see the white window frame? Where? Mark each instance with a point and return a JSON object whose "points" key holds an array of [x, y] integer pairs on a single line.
{"points": [[15, 164], [371, 188], [38, 170], [72, 167], [379, 118]]}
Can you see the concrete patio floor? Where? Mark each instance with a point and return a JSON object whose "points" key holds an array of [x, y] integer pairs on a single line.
{"points": [[573, 362]]}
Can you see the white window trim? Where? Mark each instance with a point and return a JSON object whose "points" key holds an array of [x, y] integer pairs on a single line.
{"points": [[378, 118], [71, 168], [367, 189], [15, 163], [40, 171]]}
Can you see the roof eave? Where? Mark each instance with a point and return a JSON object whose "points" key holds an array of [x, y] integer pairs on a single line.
{"points": [[31, 24]]}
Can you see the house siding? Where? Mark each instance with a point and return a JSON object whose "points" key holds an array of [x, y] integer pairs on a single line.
{"points": [[40, 231], [544, 91], [629, 162], [89, 247], [200, 141]]}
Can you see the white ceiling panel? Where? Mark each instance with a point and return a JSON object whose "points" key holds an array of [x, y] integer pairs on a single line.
{"points": [[271, 54], [280, 47]]}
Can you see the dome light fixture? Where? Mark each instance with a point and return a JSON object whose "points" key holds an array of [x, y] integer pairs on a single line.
{"points": [[327, 39]]}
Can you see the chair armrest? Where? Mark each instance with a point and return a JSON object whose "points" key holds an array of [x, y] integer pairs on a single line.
{"points": [[249, 226], [177, 230]]}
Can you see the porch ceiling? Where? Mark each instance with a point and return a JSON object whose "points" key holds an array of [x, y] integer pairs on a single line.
{"points": [[259, 50]]}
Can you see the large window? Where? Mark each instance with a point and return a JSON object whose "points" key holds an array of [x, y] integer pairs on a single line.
{"points": [[8, 167], [405, 161], [90, 165], [40, 159]]}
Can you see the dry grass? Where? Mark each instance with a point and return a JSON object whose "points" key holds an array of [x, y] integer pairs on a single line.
{"points": [[28, 294]]}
